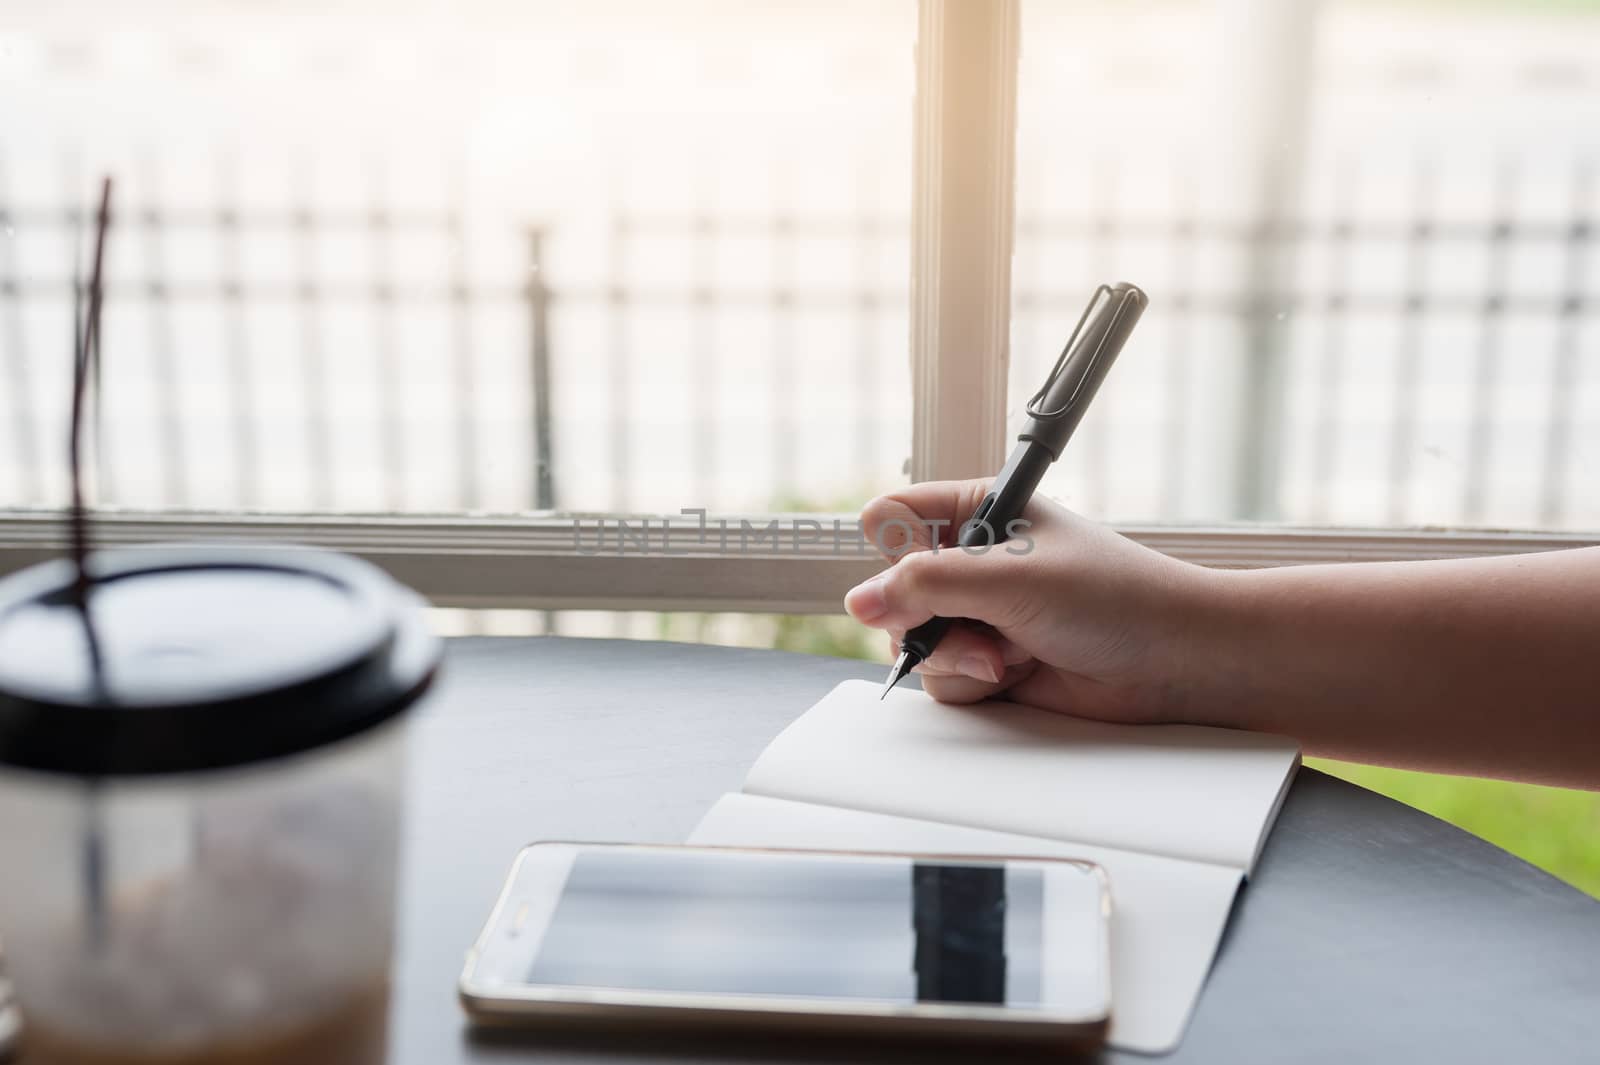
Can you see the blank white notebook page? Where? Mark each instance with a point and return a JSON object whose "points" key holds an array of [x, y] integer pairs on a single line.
{"points": [[1203, 794]]}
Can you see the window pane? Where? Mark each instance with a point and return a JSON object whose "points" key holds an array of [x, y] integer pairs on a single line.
{"points": [[1367, 234], [490, 256]]}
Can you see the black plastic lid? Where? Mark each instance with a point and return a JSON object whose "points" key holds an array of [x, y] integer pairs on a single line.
{"points": [[210, 657]]}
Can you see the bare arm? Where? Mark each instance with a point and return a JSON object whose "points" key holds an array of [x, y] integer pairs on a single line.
{"points": [[1483, 666]]}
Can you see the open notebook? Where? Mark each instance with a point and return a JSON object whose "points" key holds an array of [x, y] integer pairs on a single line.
{"points": [[1176, 815]]}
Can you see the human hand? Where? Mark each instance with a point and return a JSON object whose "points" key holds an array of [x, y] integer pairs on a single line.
{"points": [[1067, 615]]}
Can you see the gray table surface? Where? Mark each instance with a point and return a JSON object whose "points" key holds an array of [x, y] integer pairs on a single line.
{"points": [[1370, 932]]}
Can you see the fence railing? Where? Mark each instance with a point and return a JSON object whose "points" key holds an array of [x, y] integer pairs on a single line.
{"points": [[870, 310]]}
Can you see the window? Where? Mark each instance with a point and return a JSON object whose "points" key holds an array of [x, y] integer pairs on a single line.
{"points": [[427, 286], [1367, 233], [595, 258]]}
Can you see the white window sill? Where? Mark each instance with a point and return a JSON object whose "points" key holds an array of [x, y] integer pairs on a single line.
{"points": [[793, 567]]}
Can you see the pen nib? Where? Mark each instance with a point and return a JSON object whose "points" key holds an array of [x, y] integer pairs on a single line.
{"points": [[897, 672]]}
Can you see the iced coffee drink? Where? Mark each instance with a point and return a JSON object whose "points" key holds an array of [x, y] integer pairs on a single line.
{"points": [[201, 841]]}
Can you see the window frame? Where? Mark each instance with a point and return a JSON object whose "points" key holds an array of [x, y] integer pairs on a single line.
{"points": [[791, 564]]}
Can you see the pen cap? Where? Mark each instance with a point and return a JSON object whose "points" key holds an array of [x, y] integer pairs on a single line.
{"points": [[1056, 409]]}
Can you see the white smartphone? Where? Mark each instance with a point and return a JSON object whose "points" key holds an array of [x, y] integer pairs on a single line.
{"points": [[1013, 949]]}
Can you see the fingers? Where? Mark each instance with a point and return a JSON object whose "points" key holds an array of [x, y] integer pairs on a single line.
{"points": [[993, 587], [911, 518], [975, 652], [970, 666], [968, 652], [958, 689]]}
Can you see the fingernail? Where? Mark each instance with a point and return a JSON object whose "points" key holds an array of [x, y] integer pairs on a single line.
{"points": [[978, 669], [866, 602]]}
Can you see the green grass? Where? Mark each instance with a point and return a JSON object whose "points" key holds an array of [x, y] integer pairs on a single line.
{"points": [[1555, 829]]}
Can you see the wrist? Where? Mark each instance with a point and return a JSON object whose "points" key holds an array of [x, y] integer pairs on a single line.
{"points": [[1213, 675]]}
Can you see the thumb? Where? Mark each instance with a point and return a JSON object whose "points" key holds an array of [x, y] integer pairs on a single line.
{"points": [[920, 516], [991, 586]]}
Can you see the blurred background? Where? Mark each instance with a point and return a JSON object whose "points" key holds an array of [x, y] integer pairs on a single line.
{"points": [[485, 256]]}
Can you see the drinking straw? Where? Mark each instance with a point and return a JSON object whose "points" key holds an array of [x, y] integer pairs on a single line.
{"points": [[86, 347]]}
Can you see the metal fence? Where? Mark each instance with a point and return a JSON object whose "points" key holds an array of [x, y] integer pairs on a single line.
{"points": [[158, 294], [538, 297], [1296, 331]]}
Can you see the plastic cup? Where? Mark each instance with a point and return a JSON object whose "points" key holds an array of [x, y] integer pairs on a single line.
{"points": [[200, 795]]}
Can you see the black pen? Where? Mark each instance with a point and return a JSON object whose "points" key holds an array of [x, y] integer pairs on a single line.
{"points": [[1053, 413]]}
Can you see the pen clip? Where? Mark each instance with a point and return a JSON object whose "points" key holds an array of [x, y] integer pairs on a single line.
{"points": [[1100, 333]]}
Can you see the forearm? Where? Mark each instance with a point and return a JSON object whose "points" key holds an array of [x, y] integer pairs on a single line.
{"points": [[1481, 666]]}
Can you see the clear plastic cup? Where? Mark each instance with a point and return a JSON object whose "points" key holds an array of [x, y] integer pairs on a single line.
{"points": [[200, 792]]}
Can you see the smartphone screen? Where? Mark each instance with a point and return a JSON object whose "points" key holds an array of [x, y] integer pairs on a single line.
{"points": [[891, 931]]}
